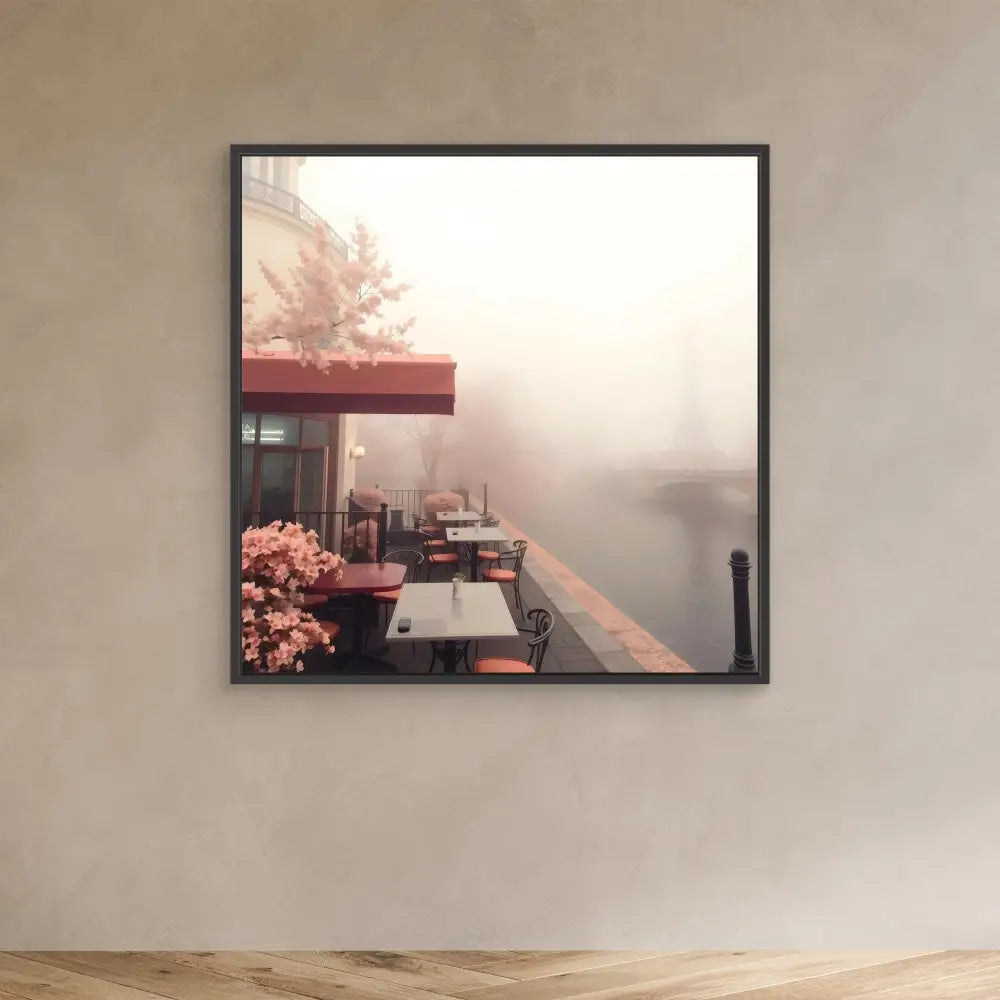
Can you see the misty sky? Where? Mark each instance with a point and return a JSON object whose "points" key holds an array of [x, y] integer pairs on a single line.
{"points": [[615, 295]]}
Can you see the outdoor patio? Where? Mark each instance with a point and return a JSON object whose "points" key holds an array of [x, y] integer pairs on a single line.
{"points": [[589, 635], [569, 650]]}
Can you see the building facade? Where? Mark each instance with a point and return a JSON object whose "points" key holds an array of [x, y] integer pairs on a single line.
{"points": [[293, 465]]}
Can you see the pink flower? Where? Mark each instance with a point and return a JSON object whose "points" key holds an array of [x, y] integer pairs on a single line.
{"points": [[327, 304], [278, 561]]}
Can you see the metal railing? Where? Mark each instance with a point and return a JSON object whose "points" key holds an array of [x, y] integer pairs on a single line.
{"points": [[405, 505], [285, 201], [357, 535]]}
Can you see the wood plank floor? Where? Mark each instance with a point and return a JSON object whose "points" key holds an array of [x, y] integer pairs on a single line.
{"points": [[500, 975]]}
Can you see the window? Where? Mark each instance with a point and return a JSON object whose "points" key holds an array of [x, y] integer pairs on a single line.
{"points": [[311, 485], [277, 486], [283, 470], [249, 428], [315, 433], [279, 430]]}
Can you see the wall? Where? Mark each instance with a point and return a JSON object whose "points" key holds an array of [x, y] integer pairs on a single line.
{"points": [[348, 467], [270, 237], [148, 804], [274, 237]]}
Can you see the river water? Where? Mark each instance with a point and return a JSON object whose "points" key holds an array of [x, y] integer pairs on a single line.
{"points": [[661, 560]]}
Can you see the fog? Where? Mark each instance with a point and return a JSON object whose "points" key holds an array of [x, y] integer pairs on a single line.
{"points": [[606, 305], [603, 316]]}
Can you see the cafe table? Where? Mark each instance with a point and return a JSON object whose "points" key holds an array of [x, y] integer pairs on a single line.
{"points": [[361, 581], [468, 516], [473, 536], [480, 612]]}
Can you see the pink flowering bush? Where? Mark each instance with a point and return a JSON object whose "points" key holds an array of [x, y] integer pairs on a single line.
{"points": [[278, 562], [361, 538], [369, 497], [438, 503], [331, 305]]}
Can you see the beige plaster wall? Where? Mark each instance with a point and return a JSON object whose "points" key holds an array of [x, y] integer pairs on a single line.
{"points": [[273, 237], [146, 803]]}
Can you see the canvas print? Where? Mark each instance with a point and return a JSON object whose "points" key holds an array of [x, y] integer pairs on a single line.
{"points": [[500, 413]]}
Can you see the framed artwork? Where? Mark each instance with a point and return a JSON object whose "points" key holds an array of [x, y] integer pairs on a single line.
{"points": [[500, 414]]}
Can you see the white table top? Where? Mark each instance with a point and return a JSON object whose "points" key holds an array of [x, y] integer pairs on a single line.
{"points": [[459, 515], [476, 534], [481, 613]]}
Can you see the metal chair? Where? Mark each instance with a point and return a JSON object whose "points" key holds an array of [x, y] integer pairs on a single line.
{"points": [[412, 559], [436, 548], [385, 600], [487, 556], [461, 653], [541, 631], [432, 533], [502, 574]]}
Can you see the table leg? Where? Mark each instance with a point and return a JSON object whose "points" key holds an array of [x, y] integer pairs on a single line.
{"points": [[359, 624], [357, 658], [449, 657], [383, 647], [474, 568]]}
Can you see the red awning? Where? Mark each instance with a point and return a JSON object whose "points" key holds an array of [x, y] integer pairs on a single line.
{"points": [[421, 383]]}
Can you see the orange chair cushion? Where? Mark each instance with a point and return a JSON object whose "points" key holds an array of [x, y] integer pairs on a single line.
{"points": [[435, 543], [500, 575], [498, 665], [443, 557], [388, 595], [486, 555], [332, 629]]}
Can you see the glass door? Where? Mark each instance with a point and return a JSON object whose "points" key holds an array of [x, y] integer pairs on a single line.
{"points": [[276, 484], [284, 468], [311, 491]]}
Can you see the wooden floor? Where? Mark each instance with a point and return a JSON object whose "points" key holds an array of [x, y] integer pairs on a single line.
{"points": [[501, 975]]}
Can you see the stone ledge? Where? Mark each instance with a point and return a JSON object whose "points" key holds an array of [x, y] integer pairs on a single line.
{"points": [[620, 662], [607, 631]]}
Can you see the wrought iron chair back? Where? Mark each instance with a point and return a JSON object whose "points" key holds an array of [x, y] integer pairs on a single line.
{"points": [[541, 632], [410, 558]]}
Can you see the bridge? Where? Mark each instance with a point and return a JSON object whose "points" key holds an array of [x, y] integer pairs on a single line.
{"points": [[693, 472]]}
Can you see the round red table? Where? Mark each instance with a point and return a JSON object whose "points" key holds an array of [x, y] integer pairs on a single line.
{"points": [[309, 602], [361, 580]]}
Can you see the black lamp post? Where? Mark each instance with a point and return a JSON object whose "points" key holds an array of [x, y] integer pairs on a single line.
{"points": [[743, 661]]}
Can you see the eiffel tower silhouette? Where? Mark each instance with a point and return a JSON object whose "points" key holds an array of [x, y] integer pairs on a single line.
{"points": [[692, 431]]}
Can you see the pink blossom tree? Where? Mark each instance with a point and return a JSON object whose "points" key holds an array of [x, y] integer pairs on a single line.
{"points": [[329, 306], [278, 562]]}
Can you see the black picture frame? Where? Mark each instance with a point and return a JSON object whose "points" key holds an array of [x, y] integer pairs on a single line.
{"points": [[761, 152]]}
